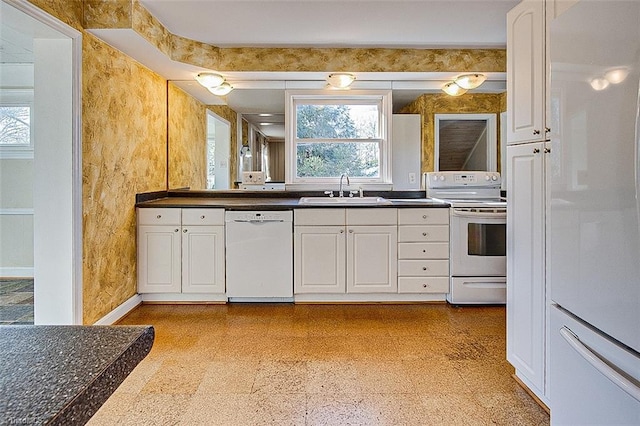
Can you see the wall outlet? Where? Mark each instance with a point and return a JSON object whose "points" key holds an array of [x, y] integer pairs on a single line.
{"points": [[412, 178], [253, 177]]}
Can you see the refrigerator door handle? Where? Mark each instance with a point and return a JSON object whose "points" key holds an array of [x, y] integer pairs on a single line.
{"points": [[601, 365]]}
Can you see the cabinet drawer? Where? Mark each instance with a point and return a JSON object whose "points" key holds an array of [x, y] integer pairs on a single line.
{"points": [[425, 233], [423, 285], [203, 217], [423, 251], [315, 217], [423, 268], [374, 216], [166, 216], [439, 216]]}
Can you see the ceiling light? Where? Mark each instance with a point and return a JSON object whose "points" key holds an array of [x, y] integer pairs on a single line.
{"points": [[453, 89], [599, 83], [617, 75], [209, 79], [340, 80], [221, 90], [470, 81]]}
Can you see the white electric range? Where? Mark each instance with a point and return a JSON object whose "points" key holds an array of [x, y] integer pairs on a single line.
{"points": [[477, 245]]}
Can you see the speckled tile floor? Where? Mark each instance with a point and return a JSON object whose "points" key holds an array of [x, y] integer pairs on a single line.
{"points": [[243, 364], [16, 301]]}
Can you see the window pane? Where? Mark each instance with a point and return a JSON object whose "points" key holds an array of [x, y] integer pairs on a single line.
{"points": [[357, 159], [337, 121], [15, 125]]}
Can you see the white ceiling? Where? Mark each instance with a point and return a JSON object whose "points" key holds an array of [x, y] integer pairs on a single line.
{"points": [[331, 23]]}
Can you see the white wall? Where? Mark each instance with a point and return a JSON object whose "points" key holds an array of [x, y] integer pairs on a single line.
{"points": [[406, 143]]}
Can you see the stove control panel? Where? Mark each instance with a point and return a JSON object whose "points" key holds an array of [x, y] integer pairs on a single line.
{"points": [[462, 179]]}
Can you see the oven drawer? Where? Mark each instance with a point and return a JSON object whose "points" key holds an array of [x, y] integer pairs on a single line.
{"points": [[424, 233], [423, 268], [423, 285], [423, 251], [438, 216], [478, 290]]}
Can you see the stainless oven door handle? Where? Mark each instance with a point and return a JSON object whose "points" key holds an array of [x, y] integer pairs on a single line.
{"points": [[480, 215]]}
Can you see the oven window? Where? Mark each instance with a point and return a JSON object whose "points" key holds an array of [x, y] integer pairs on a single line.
{"points": [[487, 239]]}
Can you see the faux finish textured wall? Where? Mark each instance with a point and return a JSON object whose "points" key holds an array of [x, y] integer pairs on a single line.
{"points": [[470, 103], [123, 153]]}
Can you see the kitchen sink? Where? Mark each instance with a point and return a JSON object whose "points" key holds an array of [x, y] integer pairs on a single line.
{"points": [[344, 201]]}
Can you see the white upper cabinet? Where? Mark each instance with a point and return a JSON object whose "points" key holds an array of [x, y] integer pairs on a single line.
{"points": [[526, 76]]}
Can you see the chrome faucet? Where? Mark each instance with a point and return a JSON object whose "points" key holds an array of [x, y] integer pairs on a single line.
{"points": [[341, 193]]}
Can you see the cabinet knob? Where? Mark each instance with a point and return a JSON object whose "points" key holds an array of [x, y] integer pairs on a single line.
{"points": [[424, 268], [424, 216], [184, 230], [424, 286], [176, 230], [424, 234], [536, 150], [351, 231], [159, 216], [424, 251], [342, 231], [202, 217], [536, 132], [547, 150], [547, 129]]}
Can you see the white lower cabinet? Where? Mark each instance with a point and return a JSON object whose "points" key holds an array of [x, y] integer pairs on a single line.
{"points": [[423, 250], [526, 285], [181, 251], [345, 250]]}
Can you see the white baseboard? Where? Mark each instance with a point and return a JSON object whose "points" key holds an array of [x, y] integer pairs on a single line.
{"points": [[120, 311], [18, 272]]}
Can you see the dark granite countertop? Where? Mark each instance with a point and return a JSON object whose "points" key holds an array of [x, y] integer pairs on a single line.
{"points": [[61, 375], [235, 200]]}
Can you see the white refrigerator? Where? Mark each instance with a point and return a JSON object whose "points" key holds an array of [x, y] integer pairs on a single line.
{"points": [[594, 217]]}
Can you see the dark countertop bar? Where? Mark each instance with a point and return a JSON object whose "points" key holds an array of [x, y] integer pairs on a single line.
{"points": [[61, 375], [273, 200]]}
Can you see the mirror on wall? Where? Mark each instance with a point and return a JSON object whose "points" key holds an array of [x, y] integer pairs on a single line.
{"points": [[465, 142], [256, 124]]}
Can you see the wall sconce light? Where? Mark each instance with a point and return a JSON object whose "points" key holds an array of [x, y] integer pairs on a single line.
{"points": [[214, 82], [340, 80], [452, 89], [462, 83]]}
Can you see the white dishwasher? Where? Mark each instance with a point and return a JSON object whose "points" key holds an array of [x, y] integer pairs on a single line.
{"points": [[259, 251]]}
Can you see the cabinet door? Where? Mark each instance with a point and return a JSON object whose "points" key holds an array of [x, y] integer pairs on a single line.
{"points": [[526, 308], [159, 259], [372, 253], [526, 72], [203, 259], [319, 259]]}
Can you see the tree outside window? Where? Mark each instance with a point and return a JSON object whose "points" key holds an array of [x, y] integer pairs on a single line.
{"points": [[15, 126]]}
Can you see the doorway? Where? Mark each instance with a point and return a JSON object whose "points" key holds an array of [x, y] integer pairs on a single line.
{"points": [[218, 151], [465, 142], [41, 217]]}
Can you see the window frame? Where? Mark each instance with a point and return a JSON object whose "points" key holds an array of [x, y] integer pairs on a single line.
{"points": [[295, 97]]}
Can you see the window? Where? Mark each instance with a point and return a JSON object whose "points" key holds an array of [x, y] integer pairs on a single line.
{"points": [[334, 134], [15, 126]]}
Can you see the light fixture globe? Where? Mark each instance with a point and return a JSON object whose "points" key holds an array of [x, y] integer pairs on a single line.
{"points": [[452, 89], [340, 80], [222, 89], [470, 81], [209, 79]]}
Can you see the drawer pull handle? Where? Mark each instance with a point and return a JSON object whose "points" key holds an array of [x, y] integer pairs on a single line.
{"points": [[159, 216], [424, 268], [424, 234], [202, 217], [424, 286], [424, 251]]}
